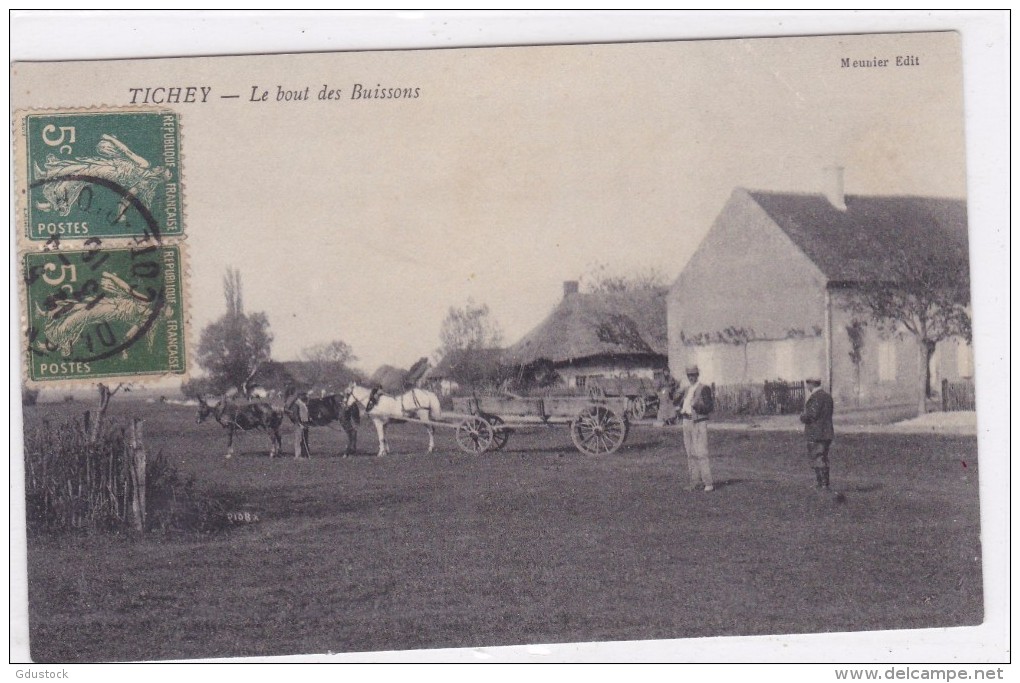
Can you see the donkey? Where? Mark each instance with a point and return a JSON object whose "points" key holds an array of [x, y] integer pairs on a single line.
{"points": [[246, 417], [322, 412]]}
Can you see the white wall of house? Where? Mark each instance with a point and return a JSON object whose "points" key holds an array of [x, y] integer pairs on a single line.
{"points": [[953, 360], [889, 371], [747, 276], [577, 376], [792, 360], [447, 387], [888, 375]]}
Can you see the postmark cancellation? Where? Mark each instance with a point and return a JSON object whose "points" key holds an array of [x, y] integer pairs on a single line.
{"points": [[102, 174], [104, 312], [102, 262]]}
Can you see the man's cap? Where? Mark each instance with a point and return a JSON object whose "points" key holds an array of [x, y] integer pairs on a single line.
{"points": [[692, 370]]}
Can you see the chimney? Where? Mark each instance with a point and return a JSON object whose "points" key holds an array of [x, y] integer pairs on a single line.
{"points": [[834, 187], [569, 287]]}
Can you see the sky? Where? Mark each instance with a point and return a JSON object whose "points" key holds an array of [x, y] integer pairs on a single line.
{"points": [[514, 170]]}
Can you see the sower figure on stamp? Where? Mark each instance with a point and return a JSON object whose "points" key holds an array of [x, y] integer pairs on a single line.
{"points": [[696, 403], [817, 419]]}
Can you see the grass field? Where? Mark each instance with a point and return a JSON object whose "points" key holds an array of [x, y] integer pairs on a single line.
{"points": [[536, 544]]}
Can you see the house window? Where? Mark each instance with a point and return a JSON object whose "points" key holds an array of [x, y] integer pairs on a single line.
{"points": [[887, 361], [580, 381], [964, 360]]}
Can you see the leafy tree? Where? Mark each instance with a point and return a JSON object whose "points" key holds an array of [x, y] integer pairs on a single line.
{"points": [[470, 327], [333, 352], [600, 279], [328, 365], [927, 297], [233, 348]]}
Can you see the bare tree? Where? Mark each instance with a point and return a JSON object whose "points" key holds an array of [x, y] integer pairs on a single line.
{"points": [[601, 279]]}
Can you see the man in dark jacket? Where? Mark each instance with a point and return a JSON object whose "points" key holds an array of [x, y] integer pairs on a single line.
{"points": [[817, 419]]}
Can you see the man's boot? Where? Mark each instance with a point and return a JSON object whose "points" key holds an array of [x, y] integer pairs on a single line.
{"points": [[819, 478], [825, 478]]}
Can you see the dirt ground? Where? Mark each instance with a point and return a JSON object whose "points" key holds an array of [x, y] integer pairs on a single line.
{"points": [[536, 544]]}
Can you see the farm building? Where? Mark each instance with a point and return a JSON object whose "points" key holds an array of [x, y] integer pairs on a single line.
{"points": [[767, 294], [465, 368], [326, 377], [612, 334]]}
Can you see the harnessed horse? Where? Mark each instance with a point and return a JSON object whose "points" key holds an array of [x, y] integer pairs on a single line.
{"points": [[322, 412], [383, 409], [246, 417]]}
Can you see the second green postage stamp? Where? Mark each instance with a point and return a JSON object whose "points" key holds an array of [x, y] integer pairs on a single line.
{"points": [[104, 312]]}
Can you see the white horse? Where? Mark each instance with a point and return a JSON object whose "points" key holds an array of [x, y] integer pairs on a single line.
{"points": [[383, 409]]}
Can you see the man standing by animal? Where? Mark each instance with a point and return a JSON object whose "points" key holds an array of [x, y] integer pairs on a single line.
{"points": [[305, 411], [695, 405], [817, 419], [667, 391], [295, 406]]}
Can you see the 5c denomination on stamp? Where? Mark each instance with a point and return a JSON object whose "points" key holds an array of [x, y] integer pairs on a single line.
{"points": [[102, 174], [104, 312]]}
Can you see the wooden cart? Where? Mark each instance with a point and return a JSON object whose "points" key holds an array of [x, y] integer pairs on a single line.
{"points": [[598, 426]]}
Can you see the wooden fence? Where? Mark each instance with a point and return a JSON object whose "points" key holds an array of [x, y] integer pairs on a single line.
{"points": [[77, 480], [957, 395], [769, 398]]}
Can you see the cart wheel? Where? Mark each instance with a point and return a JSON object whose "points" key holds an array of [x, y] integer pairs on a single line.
{"points": [[638, 407], [597, 430], [474, 435], [500, 433]]}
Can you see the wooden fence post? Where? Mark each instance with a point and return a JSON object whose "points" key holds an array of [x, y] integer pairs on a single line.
{"points": [[945, 395], [136, 468]]}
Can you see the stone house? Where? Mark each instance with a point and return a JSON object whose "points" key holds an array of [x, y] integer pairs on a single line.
{"points": [[766, 295]]}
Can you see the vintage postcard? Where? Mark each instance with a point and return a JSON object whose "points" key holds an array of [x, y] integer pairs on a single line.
{"points": [[342, 353]]}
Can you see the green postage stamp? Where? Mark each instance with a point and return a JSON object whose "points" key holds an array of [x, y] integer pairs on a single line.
{"points": [[102, 174], [104, 312]]}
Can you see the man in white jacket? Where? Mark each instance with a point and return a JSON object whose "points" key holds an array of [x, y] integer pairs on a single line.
{"points": [[696, 403]]}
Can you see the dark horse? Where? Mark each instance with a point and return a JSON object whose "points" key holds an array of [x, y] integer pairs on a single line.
{"points": [[321, 412], [245, 417]]}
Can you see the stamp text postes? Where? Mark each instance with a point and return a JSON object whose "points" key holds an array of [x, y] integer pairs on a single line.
{"points": [[104, 312], [102, 174]]}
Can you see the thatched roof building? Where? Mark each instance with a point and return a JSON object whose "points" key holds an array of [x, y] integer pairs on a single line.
{"points": [[608, 333], [468, 365]]}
